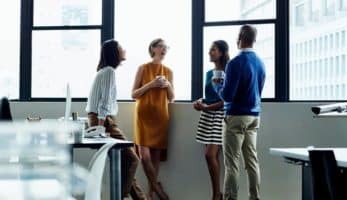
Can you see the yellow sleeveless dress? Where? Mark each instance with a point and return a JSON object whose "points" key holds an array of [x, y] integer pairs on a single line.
{"points": [[151, 110]]}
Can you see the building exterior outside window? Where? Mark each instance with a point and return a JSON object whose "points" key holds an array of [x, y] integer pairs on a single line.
{"points": [[61, 56], [243, 10], [318, 50], [318, 47], [9, 48]]}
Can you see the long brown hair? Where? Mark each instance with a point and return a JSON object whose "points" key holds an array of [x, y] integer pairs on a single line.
{"points": [[109, 55], [223, 47]]}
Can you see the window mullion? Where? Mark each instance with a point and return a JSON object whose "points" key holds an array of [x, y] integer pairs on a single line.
{"points": [[25, 49], [282, 51], [107, 20], [198, 20]]}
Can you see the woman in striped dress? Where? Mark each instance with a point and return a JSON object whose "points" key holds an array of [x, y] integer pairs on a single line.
{"points": [[211, 119]]}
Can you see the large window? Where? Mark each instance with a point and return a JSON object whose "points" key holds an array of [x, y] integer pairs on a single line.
{"points": [[242, 10], [264, 48], [61, 57], [342, 4], [9, 48], [65, 47], [67, 12], [150, 19], [303, 44], [227, 10], [318, 53]]}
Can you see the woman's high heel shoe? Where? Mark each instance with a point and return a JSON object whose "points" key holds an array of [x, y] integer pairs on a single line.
{"points": [[150, 193], [219, 197], [149, 196], [158, 189]]}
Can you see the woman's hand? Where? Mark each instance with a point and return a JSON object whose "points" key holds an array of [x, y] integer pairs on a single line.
{"points": [[199, 100], [196, 106], [166, 84], [158, 82], [199, 105], [202, 106]]}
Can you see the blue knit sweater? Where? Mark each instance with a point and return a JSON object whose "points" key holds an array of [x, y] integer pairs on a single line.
{"points": [[243, 84]]}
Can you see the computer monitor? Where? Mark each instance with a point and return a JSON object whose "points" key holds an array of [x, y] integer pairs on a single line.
{"points": [[5, 111]]}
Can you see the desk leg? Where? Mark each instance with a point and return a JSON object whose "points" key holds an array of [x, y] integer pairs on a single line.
{"points": [[306, 185], [71, 153], [115, 174]]}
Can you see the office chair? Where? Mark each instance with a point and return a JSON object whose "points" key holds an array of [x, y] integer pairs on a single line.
{"points": [[5, 111], [326, 177], [96, 169]]}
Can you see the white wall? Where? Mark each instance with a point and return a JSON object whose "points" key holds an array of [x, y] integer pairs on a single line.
{"points": [[185, 174]]}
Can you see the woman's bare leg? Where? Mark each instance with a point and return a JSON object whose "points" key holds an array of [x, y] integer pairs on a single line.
{"points": [[212, 159], [150, 171], [155, 156]]}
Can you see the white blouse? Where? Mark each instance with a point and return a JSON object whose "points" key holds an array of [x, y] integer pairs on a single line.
{"points": [[102, 98]]}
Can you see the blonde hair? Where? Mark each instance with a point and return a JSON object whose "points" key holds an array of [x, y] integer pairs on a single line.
{"points": [[153, 44]]}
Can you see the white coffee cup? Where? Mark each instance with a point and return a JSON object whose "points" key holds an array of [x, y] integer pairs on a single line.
{"points": [[161, 78], [218, 74]]}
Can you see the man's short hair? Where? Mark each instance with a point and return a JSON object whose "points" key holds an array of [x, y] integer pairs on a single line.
{"points": [[247, 34]]}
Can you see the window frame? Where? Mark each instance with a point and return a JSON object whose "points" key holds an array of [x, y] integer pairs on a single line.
{"points": [[282, 49], [187, 97], [27, 28], [281, 23]]}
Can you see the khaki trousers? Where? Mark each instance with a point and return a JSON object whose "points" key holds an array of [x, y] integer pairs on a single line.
{"points": [[129, 159], [240, 136]]}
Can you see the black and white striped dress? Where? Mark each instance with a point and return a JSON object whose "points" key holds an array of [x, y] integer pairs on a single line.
{"points": [[210, 127]]}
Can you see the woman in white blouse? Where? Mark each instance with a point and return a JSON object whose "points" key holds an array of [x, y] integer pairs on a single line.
{"points": [[102, 109]]}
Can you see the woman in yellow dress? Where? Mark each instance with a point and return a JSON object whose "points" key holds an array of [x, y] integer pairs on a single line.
{"points": [[153, 91]]}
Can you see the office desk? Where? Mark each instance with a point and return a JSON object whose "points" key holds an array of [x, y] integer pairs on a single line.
{"points": [[331, 115], [300, 156], [115, 160]]}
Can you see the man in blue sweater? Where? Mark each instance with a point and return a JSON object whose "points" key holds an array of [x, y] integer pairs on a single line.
{"points": [[241, 93]]}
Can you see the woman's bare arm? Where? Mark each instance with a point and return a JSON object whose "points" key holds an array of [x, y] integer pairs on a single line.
{"points": [[205, 107], [215, 106], [170, 89], [138, 89]]}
